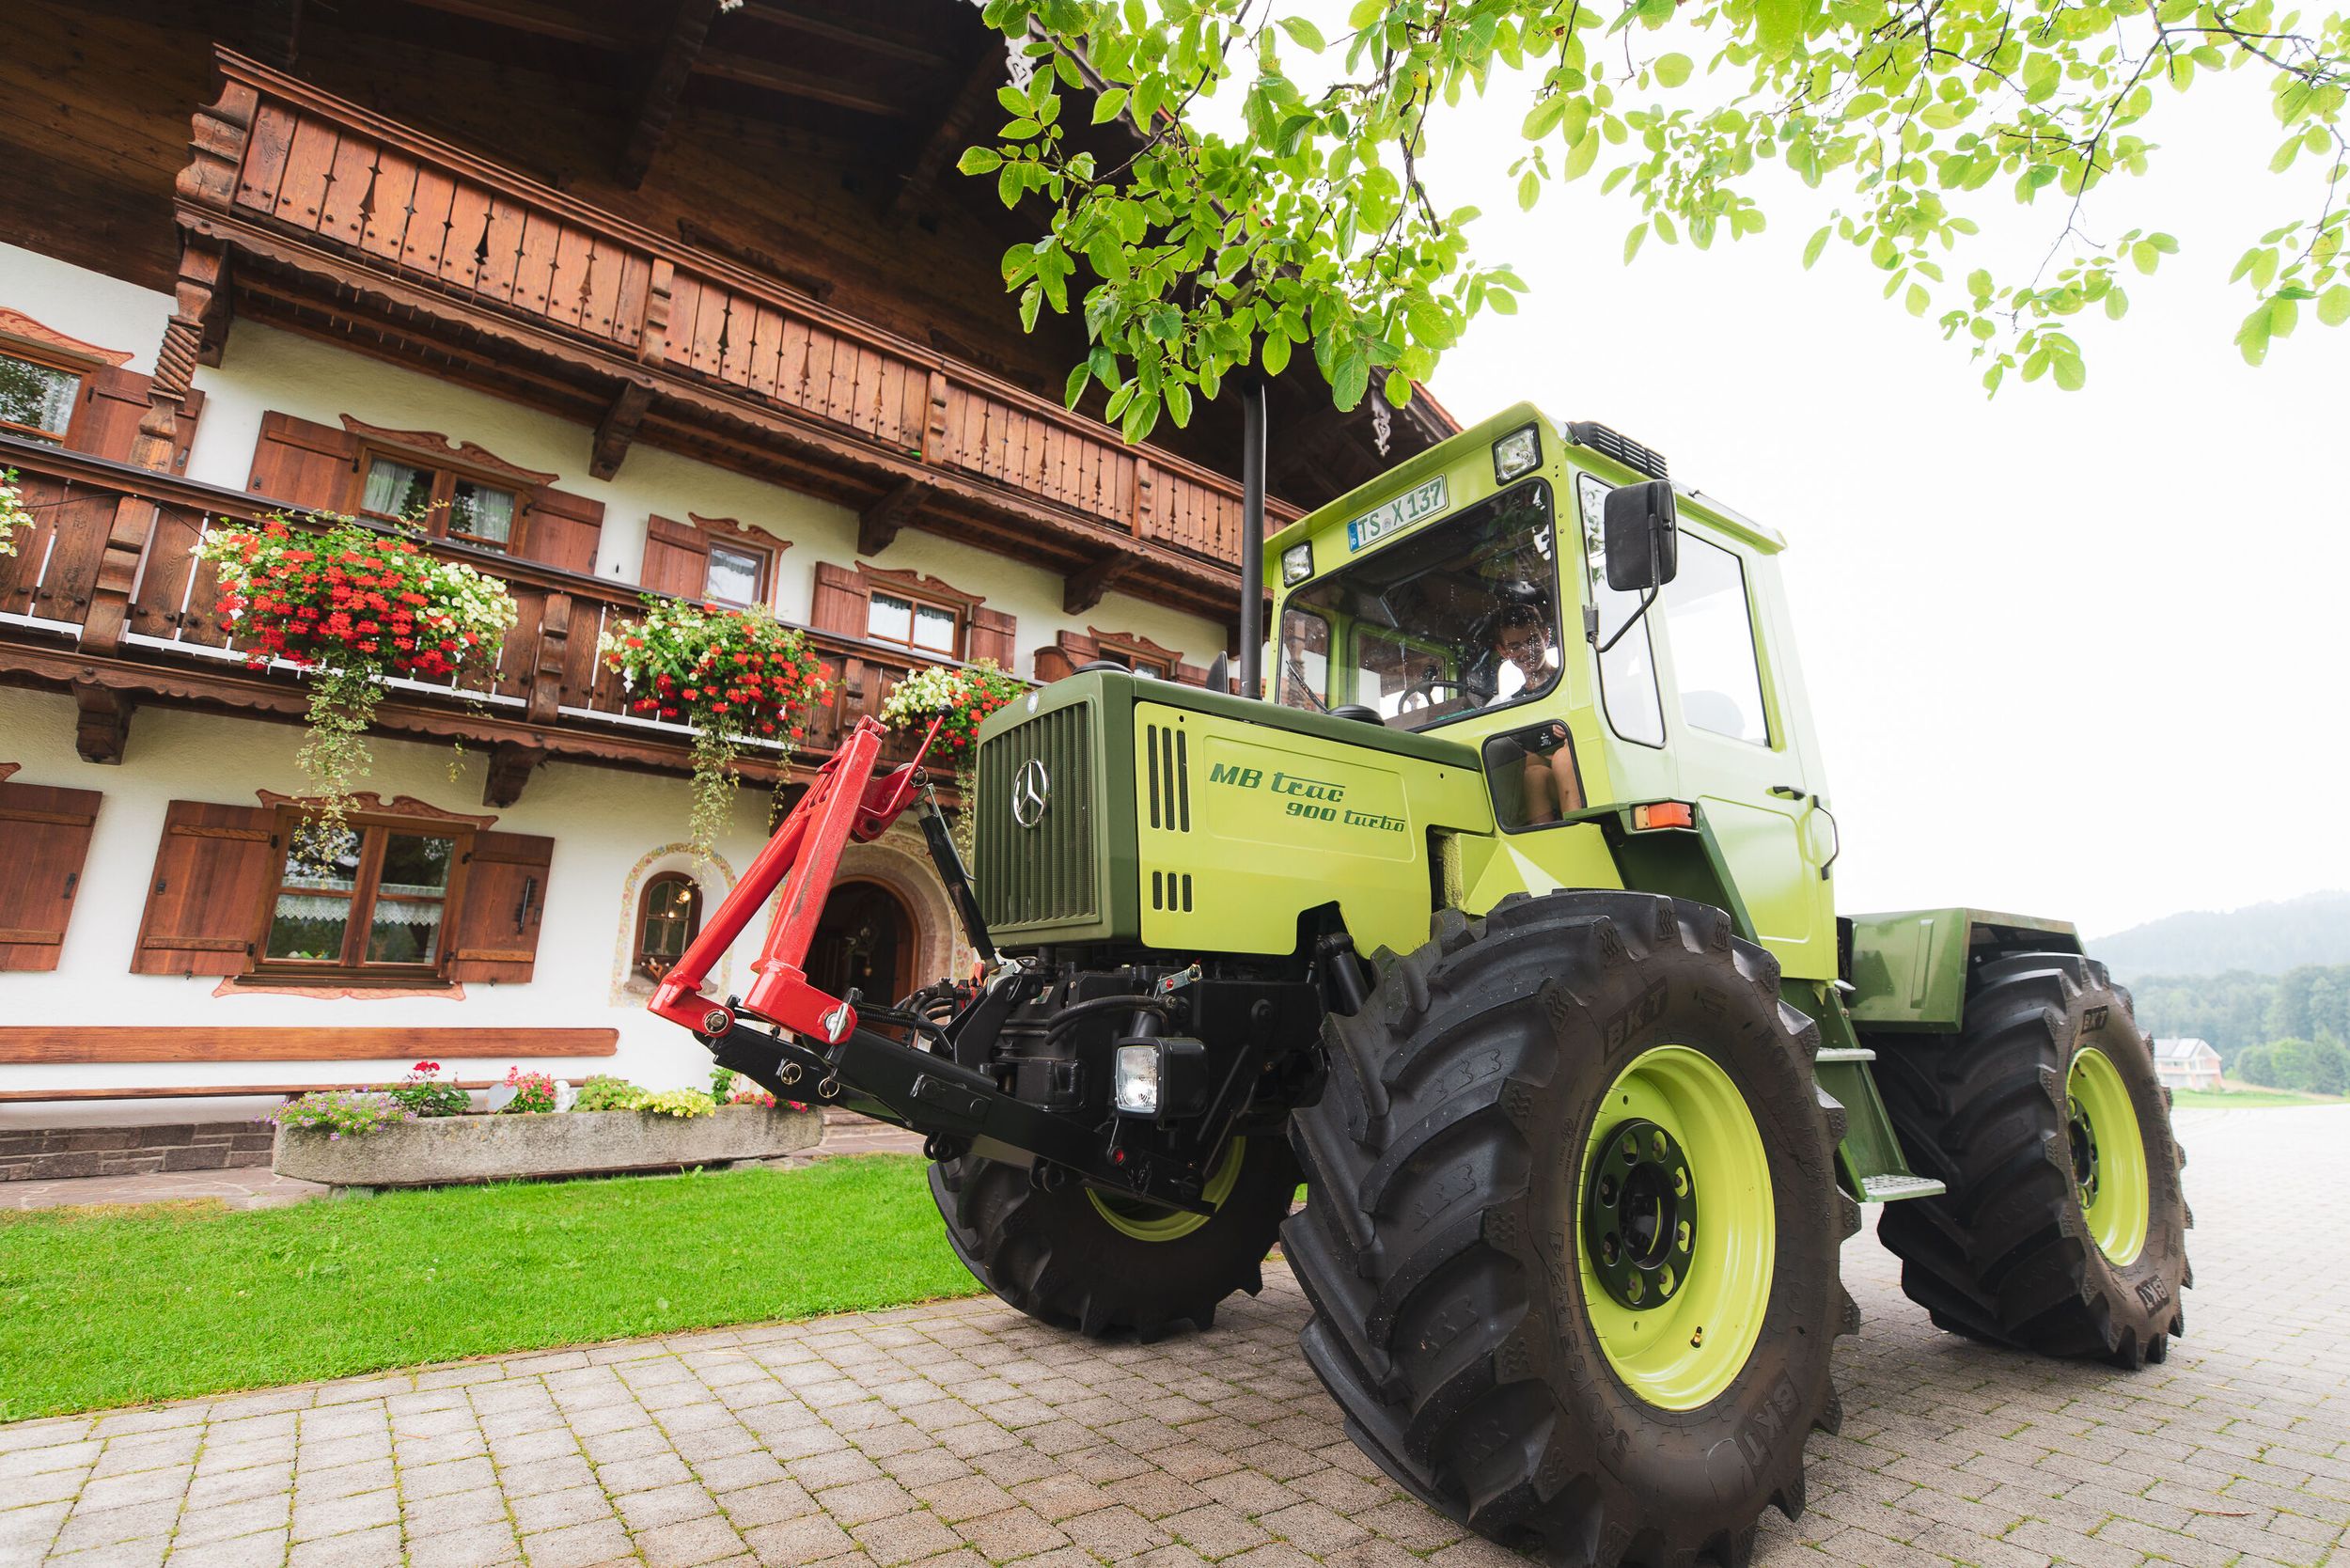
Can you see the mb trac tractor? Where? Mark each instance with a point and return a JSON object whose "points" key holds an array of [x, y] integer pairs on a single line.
{"points": [[1507, 926]]}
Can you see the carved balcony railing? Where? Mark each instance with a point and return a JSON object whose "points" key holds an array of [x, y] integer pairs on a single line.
{"points": [[106, 592], [287, 171]]}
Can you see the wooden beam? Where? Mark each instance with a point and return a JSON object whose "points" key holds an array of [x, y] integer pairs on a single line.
{"points": [[880, 523], [951, 132], [97, 1042], [525, 16], [616, 429], [276, 32], [664, 86], [794, 83], [102, 726], [206, 1092], [869, 39], [512, 763], [1081, 590]]}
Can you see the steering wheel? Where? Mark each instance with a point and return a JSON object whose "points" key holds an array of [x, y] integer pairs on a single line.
{"points": [[1419, 693]]}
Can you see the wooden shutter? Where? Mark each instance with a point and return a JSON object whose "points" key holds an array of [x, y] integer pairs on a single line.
{"points": [[213, 868], [676, 558], [841, 602], [496, 936], [106, 420], [991, 637], [560, 529], [45, 838], [304, 464]]}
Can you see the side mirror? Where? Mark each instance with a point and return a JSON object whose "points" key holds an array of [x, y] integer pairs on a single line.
{"points": [[1638, 528]]}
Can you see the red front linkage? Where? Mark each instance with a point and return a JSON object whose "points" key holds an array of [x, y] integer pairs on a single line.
{"points": [[845, 802]]}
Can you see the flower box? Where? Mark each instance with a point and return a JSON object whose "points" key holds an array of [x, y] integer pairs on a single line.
{"points": [[432, 1150]]}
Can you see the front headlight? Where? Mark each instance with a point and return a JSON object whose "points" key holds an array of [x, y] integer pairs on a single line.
{"points": [[1297, 564], [1135, 1080], [1519, 452]]}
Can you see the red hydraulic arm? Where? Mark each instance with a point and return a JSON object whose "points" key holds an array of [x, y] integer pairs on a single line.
{"points": [[845, 802]]}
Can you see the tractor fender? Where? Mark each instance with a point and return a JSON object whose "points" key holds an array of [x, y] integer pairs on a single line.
{"points": [[1908, 969]]}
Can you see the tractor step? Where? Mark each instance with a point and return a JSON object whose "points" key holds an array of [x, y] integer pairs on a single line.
{"points": [[1891, 1189], [1832, 1055]]}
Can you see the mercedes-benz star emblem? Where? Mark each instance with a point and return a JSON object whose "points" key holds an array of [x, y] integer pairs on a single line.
{"points": [[1031, 791]]}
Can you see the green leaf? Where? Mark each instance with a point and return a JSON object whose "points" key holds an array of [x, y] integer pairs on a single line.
{"points": [[1918, 300], [1543, 117], [1581, 156], [2333, 305], [1501, 302], [2069, 374], [1305, 35], [1672, 69], [1353, 380], [1276, 352], [1178, 403], [1779, 27], [1106, 107], [979, 159], [1811, 250], [1076, 388], [1529, 190], [2252, 339], [1632, 241]]}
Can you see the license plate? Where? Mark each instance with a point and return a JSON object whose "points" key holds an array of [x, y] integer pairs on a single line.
{"points": [[1413, 506]]}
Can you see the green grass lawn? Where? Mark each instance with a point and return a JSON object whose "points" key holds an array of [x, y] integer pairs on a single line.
{"points": [[103, 1308], [2182, 1099]]}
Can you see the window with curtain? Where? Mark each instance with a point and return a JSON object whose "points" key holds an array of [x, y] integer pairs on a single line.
{"points": [[442, 502], [372, 899], [737, 574], [911, 623], [36, 399], [668, 916]]}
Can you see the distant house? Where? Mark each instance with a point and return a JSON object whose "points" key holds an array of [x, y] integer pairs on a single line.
{"points": [[2186, 1063]]}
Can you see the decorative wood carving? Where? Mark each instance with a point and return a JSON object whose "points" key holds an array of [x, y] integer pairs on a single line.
{"points": [[102, 722], [512, 763], [1141, 645], [664, 86], [367, 803], [9, 770], [551, 662], [881, 522], [19, 329], [920, 585], [736, 525], [198, 315], [617, 430], [435, 447], [127, 536], [1081, 590]]}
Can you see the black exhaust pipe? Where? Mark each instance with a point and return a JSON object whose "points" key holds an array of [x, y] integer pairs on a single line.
{"points": [[1252, 538]]}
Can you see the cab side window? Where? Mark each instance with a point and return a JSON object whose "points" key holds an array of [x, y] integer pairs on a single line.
{"points": [[1712, 630], [1627, 671]]}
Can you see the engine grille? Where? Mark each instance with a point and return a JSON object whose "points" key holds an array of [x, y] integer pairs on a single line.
{"points": [[1048, 873]]}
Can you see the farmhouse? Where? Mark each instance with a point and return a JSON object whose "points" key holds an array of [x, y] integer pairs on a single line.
{"points": [[622, 299], [2186, 1063]]}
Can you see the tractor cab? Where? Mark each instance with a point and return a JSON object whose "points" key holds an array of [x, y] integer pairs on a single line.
{"points": [[1470, 595]]}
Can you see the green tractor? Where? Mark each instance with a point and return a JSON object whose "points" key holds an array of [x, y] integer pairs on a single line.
{"points": [[1507, 926]]}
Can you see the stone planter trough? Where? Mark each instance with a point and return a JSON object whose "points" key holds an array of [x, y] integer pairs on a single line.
{"points": [[438, 1150]]}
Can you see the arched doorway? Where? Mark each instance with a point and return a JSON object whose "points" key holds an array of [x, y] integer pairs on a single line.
{"points": [[864, 941]]}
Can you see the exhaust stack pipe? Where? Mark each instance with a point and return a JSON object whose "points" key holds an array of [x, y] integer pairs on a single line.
{"points": [[1253, 539]]}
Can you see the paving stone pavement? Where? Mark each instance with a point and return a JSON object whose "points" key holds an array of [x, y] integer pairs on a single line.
{"points": [[959, 1435]]}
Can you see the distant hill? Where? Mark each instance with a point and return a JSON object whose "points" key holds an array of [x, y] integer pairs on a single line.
{"points": [[2263, 938]]}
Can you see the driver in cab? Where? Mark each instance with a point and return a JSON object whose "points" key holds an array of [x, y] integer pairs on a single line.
{"points": [[1529, 663]]}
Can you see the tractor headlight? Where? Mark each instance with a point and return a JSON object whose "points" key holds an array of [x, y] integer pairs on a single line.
{"points": [[1519, 452], [1135, 1080], [1297, 564]]}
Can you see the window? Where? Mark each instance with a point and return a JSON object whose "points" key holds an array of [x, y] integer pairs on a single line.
{"points": [[36, 399], [447, 503], [737, 574], [1627, 671], [1148, 665], [1460, 617], [1303, 678], [668, 916], [372, 898], [1713, 643], [911, 623]]}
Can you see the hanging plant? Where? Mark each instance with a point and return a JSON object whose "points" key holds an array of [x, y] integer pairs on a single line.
{"points": [[15, 516], [960, 699], [351, 605], [736, 676]]}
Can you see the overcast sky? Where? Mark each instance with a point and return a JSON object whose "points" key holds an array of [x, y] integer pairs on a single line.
{"points": [[2073, 654]]}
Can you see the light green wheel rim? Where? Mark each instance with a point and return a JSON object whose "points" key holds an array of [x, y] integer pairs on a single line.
{"points": [[1684, 1350], [1147, 1222], [2108, 1155]]}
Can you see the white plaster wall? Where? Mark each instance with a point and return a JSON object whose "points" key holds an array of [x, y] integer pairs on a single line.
{"points": [[85, 305], [603, 822]]}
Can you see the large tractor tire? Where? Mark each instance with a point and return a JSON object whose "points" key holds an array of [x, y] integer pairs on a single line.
{"points": [[1078, 1259], [2063, 1231], [1573, 1225]]}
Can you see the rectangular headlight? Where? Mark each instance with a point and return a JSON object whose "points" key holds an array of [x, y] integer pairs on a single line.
{"points": [[1135, 1080], [1297, 564], [1519, 452]]}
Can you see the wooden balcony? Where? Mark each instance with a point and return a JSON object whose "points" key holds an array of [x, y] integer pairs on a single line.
{"points": [[105, 598], [312, 212]]}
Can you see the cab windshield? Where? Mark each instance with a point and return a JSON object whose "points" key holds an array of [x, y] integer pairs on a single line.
{"points": [[1459, 617]]}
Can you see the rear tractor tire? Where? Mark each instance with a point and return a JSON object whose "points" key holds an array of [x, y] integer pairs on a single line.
{"points": [[1573, 1232], [1100, 1264], [2064, 1230]]}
